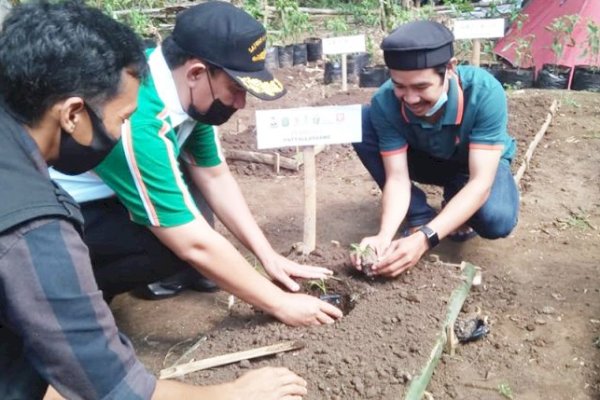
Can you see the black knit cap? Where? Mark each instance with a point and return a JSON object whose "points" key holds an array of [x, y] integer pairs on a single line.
{"points": [[229, 38], [418, 45]]}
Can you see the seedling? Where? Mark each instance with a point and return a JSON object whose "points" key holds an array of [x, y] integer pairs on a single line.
{"points": [[592, 49], [505, 391], [319, 285], [368, 257], [562, 35]]}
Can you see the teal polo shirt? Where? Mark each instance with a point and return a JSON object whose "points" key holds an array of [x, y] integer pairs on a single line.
{"points": [[475, 116]]}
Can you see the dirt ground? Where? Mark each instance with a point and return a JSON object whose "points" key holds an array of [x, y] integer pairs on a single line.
{"points": [[541, 286]]}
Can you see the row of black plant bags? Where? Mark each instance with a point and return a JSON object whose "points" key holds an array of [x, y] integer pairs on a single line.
{"points": [[358, 71], [550, 77], [294, 54]]}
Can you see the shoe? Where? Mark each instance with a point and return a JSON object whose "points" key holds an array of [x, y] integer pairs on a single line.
{"points": [[461, 236], [175, 284]]}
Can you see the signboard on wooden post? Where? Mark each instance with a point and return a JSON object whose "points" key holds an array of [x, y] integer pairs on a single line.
{"points": [[344, 45], [478, 29], [308, 127]]}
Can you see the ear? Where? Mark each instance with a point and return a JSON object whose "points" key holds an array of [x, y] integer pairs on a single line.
{"points": [[194, 69], [452, 64], [71, 113]]}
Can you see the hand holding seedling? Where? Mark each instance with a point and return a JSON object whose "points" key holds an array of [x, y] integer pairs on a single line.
{"points": [[401, 255], [298, 309], [364, 258], [371, 244], [282, 269]]}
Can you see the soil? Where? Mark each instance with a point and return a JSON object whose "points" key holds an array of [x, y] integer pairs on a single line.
{"points": [[540, 291]]}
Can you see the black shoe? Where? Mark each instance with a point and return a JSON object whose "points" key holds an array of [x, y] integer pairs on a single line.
{"points": [[175, 284]]}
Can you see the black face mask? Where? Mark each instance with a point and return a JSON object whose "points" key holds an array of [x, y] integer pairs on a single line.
{"points": [[217, 114], [75, 158]]}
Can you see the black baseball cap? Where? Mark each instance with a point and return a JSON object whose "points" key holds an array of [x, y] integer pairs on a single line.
{"points": [[229, 38], [418, 45]]}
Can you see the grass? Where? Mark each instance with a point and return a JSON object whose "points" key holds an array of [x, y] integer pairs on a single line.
{"points": [[505, 391], [570, 101], [579, 219]]}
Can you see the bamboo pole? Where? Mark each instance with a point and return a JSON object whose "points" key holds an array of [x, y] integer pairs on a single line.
{"points": [[310, 200], [536, 140], [183, 369], [265, 158], [417, 387]]}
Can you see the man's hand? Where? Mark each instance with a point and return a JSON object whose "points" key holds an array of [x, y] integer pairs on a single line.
{"points": [[282, 269], [377, 243], [298, 309], [401, 255], [268, 384]]}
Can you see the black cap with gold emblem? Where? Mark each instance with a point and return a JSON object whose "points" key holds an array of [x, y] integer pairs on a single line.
{"points": [[229, 38]]}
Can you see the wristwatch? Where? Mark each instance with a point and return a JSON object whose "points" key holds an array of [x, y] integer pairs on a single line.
{"points": [[431, 235]]}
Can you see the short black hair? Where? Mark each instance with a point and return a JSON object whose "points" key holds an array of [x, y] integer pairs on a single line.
{"points": [[441, 70], [52, 51], [175, 56]]}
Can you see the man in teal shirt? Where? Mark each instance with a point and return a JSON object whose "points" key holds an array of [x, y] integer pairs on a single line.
{"points": [[436, 123]]}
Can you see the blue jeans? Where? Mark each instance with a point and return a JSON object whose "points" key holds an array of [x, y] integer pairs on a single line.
{"points": [[495, 219]]}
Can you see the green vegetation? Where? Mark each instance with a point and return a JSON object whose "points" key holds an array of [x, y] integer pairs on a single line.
{"points": [[562, 35], [505, 391], [592, 45], [318, 284], [130, 13]]}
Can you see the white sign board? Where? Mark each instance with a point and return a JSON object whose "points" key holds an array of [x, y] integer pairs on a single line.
{"points": [[478, 28], [344, 44], [308, 126]]}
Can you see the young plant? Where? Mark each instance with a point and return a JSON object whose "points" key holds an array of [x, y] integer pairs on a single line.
{"points": [[319, 285], [522, 44], [505, 391], [592, 48], [562, 35], [367, 255], [290, 20]]}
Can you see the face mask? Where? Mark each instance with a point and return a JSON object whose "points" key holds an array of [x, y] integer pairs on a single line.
{"points": [[440, 102], [217, 114], [75, 158]]}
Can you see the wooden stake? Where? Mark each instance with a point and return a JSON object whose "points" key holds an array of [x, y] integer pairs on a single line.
{"points": [[277, 162], [310, 200], [344, 72], [184, 369], [476, 56]]}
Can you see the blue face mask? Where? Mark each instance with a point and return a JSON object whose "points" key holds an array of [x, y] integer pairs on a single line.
{"points": [[438, 104]]}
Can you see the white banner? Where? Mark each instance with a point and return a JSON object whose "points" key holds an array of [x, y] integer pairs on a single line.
{"points": [[308, 126]]}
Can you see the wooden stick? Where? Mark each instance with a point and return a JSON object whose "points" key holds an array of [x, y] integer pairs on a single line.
{"points": [[217, 361], [310, 200], [476, 56], [536, 140], [419, 383], [344, 73], [270, 159]]}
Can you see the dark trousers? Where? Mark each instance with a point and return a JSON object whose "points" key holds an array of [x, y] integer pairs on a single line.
{"points": [[126, 255], [495, 219], [18, 379]]}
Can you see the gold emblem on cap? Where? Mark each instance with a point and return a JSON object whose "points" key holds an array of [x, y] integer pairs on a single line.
{"points": [[260, 56], [257, 43], [270, 88]]}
